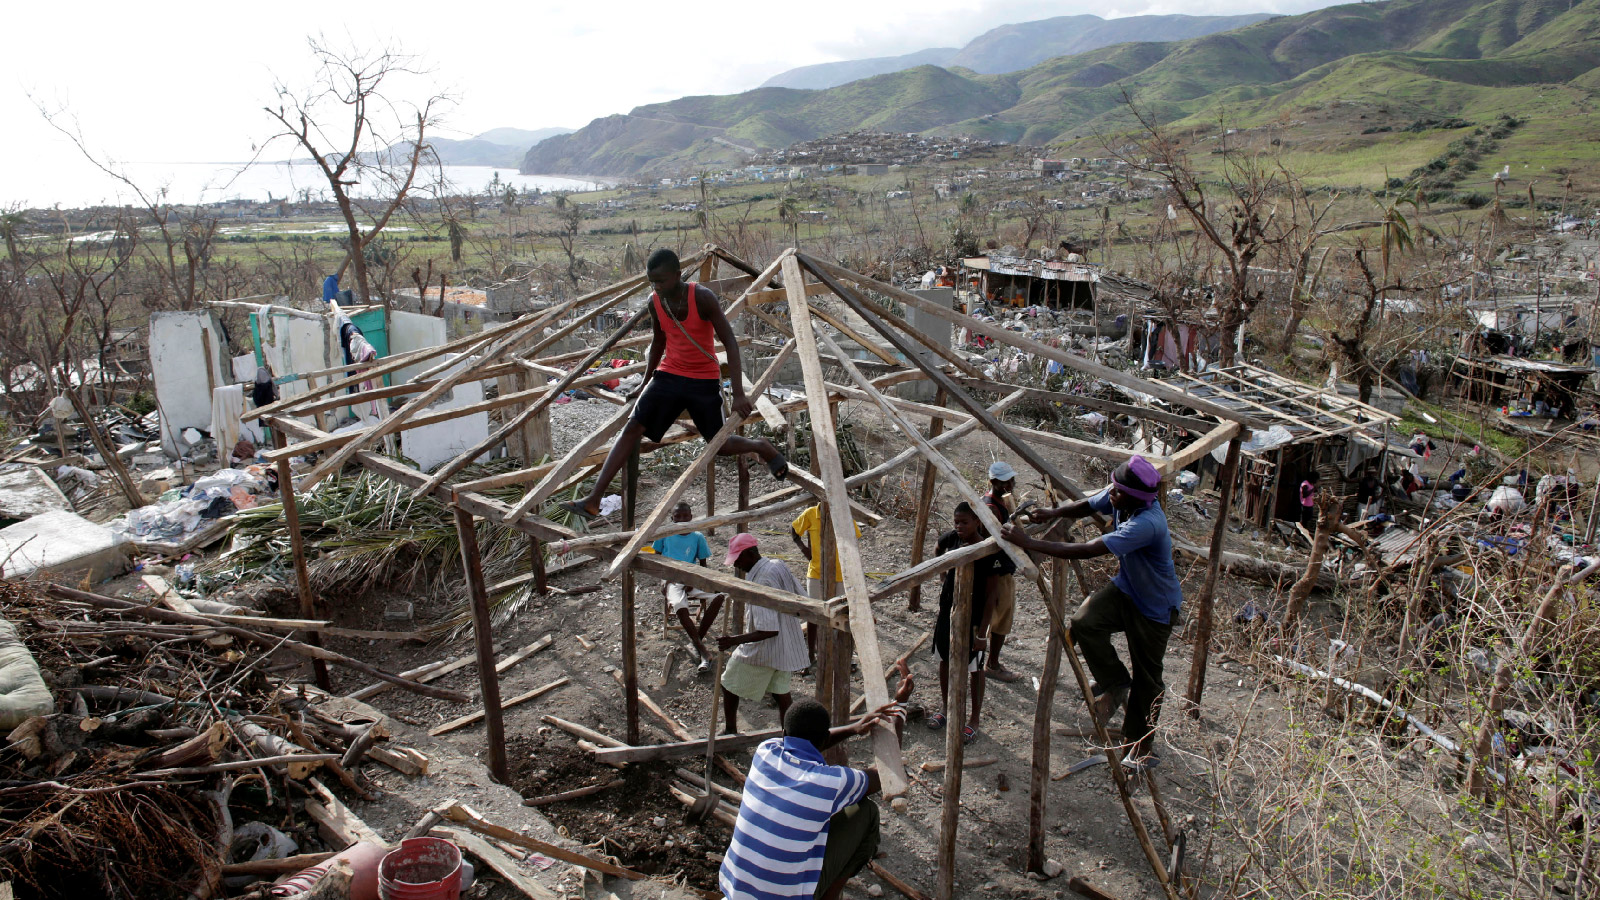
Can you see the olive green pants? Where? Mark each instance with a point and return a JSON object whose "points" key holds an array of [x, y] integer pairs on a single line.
{"points": [[852, 843], [1107, 612]]}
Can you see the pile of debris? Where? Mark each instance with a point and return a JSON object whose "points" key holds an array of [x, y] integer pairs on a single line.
{"points": [[140, 733]]}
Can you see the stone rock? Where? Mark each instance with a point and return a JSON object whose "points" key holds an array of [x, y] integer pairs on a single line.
{"points": [[1052, 868], [874, 890]]}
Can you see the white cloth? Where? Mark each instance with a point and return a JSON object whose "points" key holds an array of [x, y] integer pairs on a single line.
{"points": [[227, 406], [679, 595], [787, 651], [1507, 501]]}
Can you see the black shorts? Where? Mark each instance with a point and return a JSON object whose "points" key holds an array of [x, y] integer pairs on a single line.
{"points": [[667, 395]]}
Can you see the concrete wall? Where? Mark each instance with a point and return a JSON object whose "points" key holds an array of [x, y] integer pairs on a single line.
{"points": [[412, 331], [432, 445], [178, 354]]}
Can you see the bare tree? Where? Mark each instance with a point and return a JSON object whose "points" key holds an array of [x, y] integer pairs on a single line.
{"points": [[1237, 216], [361, 134]]}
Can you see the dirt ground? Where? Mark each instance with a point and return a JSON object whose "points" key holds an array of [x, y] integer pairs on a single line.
{"points": [[643, 825]]}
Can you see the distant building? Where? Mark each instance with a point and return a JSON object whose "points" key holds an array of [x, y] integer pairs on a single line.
{"points": [[872, 169], [1049, 166]]}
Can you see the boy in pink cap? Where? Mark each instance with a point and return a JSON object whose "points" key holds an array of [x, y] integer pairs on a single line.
{"points": [[773, 645], [1141, 602]]}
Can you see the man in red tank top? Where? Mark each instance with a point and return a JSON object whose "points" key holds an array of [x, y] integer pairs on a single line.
{"points": [[681, 373]]}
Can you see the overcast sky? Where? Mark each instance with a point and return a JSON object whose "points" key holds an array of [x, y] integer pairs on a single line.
{"points": [[184, 81]]}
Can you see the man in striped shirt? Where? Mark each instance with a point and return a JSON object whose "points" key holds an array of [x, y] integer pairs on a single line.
{"points": [[773, 646], [805, 827]]}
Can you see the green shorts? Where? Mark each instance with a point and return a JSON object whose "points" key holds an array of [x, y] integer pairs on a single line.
{"points": [[751, 682]]}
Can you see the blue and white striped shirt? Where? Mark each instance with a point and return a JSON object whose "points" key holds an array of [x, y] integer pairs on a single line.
{"points": [[782, 830]]}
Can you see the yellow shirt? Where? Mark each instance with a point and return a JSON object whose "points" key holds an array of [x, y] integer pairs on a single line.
{"points": [[810, 525]]}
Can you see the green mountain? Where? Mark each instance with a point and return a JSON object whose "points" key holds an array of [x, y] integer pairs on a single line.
{"points": [[1383, 68], [1009, 48]]}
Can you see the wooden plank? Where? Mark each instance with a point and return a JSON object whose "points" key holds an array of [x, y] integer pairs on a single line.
{"points": [[720, 581], [885, 743], [666, 501], [318, 625], [680, 749], [500, 861], [1022, 342], [1191, 454], [339, 826], [868, 345], [483, 637], [437, 670], [1189, 423], [938, 565], [477, 715]]}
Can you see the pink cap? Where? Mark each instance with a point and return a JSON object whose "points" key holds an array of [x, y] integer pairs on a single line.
{"points": [[737, 546]]}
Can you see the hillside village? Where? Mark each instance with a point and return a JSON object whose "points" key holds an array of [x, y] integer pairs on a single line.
{"points": [[338, 558]]}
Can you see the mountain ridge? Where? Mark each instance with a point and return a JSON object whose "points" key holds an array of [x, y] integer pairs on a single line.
{"points": [[1433, 58]]}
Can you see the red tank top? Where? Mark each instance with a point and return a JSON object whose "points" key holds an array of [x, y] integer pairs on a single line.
{"points": [[682, 357]]}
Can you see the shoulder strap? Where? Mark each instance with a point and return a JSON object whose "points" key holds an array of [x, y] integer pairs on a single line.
{"points": [[693, 299]]}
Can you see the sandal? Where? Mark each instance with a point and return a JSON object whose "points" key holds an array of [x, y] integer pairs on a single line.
{"points": [[779, 467], [968, 733], [576, 508], [936, 722]]}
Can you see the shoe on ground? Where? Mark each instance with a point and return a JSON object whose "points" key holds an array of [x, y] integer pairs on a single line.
{"points": [[1001, 674], [703, 668]]}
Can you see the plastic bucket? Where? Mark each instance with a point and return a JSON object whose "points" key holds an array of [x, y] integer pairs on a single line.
{"points": [[424, 868]]}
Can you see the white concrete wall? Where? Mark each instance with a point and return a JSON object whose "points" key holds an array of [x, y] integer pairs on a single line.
{"points": [[408, 332], [178, 371], [432, 445]]}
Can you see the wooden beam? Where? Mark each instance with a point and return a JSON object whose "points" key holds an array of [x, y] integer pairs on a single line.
{"points": [[477, 715], [938, 565], [680, 749], [718, 581], [1207, 442], [1189, 423], [1204, 604], [575, 458], [885, 744], [297, 549]]}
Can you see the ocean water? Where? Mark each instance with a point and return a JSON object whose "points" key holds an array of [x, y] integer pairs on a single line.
{"points": [[71, 182]]}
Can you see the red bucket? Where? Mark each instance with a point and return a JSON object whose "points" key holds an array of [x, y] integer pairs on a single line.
{"points": [[424, 868]]}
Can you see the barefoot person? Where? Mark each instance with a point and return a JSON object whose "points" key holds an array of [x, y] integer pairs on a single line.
{"points": [[772, 647], [692, 549], [681, 373], [1142, 602], [1002, 481], [985, 575], [805, 827]]}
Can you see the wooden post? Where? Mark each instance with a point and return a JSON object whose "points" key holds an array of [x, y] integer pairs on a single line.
{"points": [[541, 584], [711, 491], [919, 536], [1039, 785], [630, 649], [483, 633], [955, 710], [297, 546], [744, 488], [1206, 602]]}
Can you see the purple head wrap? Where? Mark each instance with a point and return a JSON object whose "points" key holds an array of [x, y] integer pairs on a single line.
{"points": [[1137, 478]]}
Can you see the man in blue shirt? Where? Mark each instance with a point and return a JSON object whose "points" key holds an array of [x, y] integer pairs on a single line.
{"points": [[805, 827], [1141, 602]]}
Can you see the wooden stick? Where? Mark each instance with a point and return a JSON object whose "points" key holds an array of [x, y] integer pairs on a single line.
{"points": [[977, 763], [677, 730], [919, 533], [436, 670], [571, 462], [297, 548], [466, 815], [483, 634], [681, 749], [359, 747], [272, 868], [889, 671], [573, 794], [281, 759], [1204, 611], [576, 730], [885, 743], [896, 882], [474, 716], [1039, 773]]}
